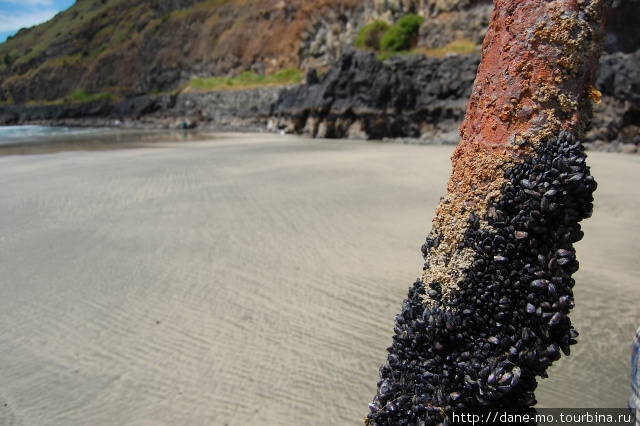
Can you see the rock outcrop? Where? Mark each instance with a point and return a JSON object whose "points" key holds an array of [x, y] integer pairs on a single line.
{"points": [[361, 97], [616, 121], [623, 31], [425, 98]]}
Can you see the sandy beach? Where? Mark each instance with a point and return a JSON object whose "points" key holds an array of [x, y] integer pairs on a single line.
{"points": [[254, 279]]}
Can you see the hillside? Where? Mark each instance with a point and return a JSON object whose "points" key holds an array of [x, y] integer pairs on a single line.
{"points": [[132, 47], [125, 48]]}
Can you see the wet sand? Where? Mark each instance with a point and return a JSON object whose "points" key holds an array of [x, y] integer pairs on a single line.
{"points": [[253, 280]]}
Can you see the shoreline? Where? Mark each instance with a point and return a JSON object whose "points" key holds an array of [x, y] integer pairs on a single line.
{"points": [[128, 132]]}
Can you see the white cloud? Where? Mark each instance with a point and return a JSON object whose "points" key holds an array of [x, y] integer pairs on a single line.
{"points": [[15, 21]]}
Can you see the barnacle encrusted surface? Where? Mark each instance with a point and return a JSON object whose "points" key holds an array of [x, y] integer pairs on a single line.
{"points": [[490, 313]]}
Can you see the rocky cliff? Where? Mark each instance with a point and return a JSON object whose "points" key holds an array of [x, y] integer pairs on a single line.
{"points": [[417, 99], [361, 97], [422, 98], [137, 47]]}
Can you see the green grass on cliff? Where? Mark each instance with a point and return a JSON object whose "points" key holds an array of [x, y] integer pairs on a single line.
{"points": [[402, 35], [370, 35], [400, 38], [82, 96], [246, 80], [30, 42], [461, 46], [77, 96]]}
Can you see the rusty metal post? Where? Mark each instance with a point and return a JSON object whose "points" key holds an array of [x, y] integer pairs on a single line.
{"points": [[490, 313]]}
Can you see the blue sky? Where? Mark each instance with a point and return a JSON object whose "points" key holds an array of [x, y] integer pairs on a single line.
{"points": [[16, 14]]}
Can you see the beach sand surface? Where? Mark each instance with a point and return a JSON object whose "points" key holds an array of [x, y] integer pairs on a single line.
{"points": [[254, 280]]}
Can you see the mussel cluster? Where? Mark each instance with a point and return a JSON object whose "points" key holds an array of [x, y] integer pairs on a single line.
{"points": [[480, 347]]}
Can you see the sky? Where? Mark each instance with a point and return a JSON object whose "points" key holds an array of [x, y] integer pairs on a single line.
{"points": [[16, 14]]}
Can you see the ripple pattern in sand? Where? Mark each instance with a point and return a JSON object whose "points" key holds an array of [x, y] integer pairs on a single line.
{"points": [[240, 281]]}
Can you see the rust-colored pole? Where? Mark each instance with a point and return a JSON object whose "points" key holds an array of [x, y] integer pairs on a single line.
{"points": [[490, 312]]}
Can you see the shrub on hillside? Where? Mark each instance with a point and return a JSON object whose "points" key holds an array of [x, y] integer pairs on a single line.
{"points": [[371, 34], [402, 34]]}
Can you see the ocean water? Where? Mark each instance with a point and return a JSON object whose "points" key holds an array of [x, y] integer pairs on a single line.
{"points": [[36, 139], [35, 133]]}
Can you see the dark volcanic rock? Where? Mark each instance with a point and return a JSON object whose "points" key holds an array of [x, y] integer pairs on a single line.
{"points": [[619, 76], [623, 31], [415, 96], [616, 121], [401, 97]]}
